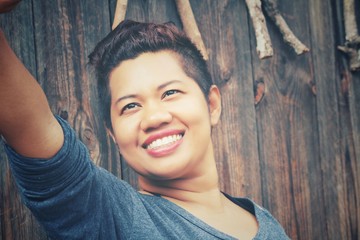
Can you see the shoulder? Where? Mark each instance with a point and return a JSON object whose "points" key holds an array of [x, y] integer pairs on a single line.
{"points": [[269, 227]]}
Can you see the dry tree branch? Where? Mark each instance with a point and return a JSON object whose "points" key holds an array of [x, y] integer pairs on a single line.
{"points": [[186, 15], [272, 11], [120, 12], [263, 42], [190, 27], [352, 44], [354, 56], [350, 21]]}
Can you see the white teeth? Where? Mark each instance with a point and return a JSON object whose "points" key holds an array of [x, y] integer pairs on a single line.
{"points": [[164, 141]]}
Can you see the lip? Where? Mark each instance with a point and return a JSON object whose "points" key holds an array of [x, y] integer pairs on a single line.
{"points": [[160, 135], [162, 151]]}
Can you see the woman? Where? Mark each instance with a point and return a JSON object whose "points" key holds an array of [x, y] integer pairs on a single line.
{"points": [[159, 106]]}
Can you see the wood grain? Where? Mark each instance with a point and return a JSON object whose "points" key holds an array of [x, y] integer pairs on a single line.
{"points": [[349, 95], [331, 155], [230, 65], [286, 125]]}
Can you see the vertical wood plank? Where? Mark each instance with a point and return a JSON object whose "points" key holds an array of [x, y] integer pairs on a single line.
{"points": [[329, 119], [353, 166], [286, 129], [157, 11], [349, 92], [224, 27], [349, 190]]}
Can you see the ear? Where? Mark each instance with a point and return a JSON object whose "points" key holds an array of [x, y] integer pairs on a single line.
{"points": [[111, 134], [214, 103]]}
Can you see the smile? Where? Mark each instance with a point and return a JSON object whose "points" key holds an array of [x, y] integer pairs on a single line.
{"points": [[162, 142]]}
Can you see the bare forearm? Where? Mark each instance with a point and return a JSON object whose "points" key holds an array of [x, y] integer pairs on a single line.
{"points": [[26, 120]]}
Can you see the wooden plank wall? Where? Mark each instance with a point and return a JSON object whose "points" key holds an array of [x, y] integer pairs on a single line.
{"points": [[297, 152]]}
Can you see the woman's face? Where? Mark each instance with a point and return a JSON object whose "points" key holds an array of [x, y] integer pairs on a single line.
{"points": [[161, 120]]}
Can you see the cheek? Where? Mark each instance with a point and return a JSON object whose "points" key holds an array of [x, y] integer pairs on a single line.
{"points": [[125, 133], [122, 129], [196, 110]]}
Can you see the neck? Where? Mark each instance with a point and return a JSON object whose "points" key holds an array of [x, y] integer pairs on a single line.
{"points": [[199, 189]]}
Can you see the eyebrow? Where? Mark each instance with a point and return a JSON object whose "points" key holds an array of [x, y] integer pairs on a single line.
{"points": [[125, 97], [161, 86], [167, 83]]}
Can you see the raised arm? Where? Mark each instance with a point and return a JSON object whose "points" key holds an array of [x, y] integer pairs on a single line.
{"points": [[26, 121]]}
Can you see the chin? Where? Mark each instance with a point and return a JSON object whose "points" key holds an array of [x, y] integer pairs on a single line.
{"points": [[166, 175]]}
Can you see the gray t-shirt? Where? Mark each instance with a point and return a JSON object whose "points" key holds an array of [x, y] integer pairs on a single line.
{"points": [[74, 199]]}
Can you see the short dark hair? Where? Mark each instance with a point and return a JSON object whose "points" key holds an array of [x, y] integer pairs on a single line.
{"points": [[130, 39]]}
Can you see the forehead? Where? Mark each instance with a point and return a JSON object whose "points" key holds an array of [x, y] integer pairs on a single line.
{"points": [[145, 71], [163, 61]]}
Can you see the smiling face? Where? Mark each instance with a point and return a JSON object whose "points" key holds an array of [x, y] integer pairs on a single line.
{"points": [[161, 120]]}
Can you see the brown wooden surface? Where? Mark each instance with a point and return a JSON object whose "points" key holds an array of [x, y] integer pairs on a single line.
{"points": [[297, 152]]}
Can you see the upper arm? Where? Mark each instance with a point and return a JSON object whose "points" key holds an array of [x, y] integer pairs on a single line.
{"points": [[40, 138]]}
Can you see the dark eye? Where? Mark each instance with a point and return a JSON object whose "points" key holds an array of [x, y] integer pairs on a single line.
{"points": [[129, 106], [169, 93]]}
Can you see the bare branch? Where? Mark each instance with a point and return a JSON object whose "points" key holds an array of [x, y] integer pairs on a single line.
{"points": [[354, 56], [272, 11], [263, 42], [190, 27], [352, 44], [350, 21], [120, 12]]}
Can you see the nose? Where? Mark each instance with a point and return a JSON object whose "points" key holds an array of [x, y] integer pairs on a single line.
{"points": [[154, 116]]}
